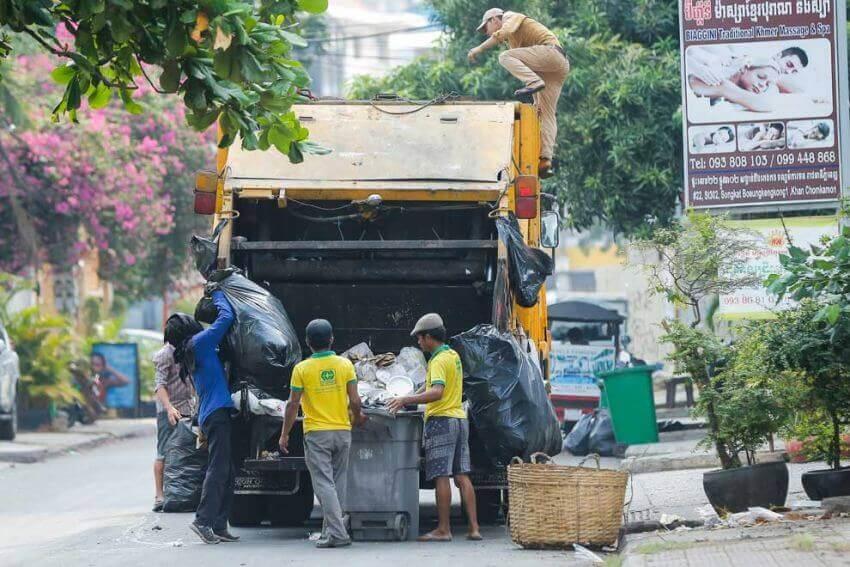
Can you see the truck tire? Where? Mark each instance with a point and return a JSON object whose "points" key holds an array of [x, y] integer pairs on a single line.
{"points": [[247, 510], [294, 510], [9, 428]]}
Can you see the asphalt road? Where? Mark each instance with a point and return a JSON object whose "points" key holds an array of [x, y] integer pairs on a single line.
{"points": [[92, 509]]}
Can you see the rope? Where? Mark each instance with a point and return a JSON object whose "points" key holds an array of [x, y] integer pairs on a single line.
{"points": [[436, 100]]}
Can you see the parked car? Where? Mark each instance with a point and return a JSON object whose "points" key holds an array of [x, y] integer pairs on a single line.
{"points": [[9, 375]]}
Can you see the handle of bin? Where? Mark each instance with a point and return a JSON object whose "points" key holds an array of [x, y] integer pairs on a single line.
{"points": [[594, 456], [546, 458]]}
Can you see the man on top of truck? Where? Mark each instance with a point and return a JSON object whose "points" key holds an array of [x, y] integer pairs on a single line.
{"points": [[537, 59], [446, 426], [327, 385]]}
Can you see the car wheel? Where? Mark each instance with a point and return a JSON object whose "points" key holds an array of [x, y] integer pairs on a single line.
{"points": [[9, 428]]}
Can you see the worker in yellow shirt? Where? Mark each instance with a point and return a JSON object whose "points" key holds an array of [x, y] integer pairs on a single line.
{"points": [[537, 59], [326, 386], [446, 426]]}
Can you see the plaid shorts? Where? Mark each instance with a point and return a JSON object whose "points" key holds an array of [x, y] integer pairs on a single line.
{"points": [[164, 431], [446, 447]]}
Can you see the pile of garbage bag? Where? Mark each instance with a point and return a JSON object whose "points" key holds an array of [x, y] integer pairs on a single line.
{"points": [[261, 346], [593, 433], [529, 267], [509, 410], [382, 377], [185, 467]]}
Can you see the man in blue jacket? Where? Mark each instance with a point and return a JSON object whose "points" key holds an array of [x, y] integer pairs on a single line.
{"points": [[195, 349]]}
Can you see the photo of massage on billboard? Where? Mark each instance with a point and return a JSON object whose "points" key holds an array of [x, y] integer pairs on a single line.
{"points": [[763, 81], [804, 134], [761, 136], [715, 139]]}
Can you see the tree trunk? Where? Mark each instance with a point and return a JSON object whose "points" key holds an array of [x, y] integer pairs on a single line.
{"points": [[835, 444]]}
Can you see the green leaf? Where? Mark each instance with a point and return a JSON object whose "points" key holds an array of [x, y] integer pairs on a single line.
{"points": [[295, 154], [72, 94], [169, 80], [100, 97], [281, 138], [294, 38], [131, 105], [201, 122], [189, 17], [313, 6], [63, 74], [176, 41]]}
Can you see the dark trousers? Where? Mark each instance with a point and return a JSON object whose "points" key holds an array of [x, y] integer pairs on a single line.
{"points": [[217, 493]]}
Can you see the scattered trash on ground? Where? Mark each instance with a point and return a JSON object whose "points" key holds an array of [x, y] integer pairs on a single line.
{"points": [[804, 504], [585, 553], [156, 528], [178, 543], [269, 455], [753, 516], [670, 519]]}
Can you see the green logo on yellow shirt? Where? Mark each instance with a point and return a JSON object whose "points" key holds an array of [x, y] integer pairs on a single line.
{"points": [[328, 377]]}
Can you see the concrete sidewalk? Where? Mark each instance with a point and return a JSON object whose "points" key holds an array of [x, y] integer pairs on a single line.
{"points": [[31, 447], [798, 542]]}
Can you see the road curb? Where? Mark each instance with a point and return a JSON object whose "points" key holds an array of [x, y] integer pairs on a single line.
{"points": [[24, 454]]}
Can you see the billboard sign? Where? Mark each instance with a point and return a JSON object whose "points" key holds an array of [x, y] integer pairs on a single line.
{"points": [[755, 302], [574, 368], [761, 114]]}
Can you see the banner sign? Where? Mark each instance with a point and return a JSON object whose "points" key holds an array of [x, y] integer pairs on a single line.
{"points": [[760, 89], [573, 368], [755, 302]]}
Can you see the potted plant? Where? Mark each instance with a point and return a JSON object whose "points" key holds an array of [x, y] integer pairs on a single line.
{"points": [[693, 263], [816, 338], [750, 406], [817, 354]]}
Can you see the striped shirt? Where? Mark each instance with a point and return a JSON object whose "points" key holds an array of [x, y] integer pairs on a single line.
{"points": [[182, 395]]}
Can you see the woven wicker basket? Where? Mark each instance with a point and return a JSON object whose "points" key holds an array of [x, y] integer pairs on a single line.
{"points": [[555, 506]]}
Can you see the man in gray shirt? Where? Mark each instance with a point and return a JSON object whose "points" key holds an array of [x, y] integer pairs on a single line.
{"points": [[174, 399]]}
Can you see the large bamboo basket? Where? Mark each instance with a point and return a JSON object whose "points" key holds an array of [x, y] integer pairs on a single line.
{"points": [[555, 506]]}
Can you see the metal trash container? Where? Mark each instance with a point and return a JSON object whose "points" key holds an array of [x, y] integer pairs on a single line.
{"points": [[382, 499]]}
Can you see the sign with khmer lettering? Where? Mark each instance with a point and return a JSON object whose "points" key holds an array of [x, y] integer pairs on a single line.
{"points": [[760, 101]]}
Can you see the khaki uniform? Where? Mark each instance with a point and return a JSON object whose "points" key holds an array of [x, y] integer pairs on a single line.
{"points": [[535, 57]]}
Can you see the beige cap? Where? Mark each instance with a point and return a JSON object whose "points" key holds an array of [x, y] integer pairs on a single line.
{"points": [[428, 322], [491, 13]]}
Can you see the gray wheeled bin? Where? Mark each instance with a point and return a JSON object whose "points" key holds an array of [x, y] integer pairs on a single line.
{"points": [[383, 477]]}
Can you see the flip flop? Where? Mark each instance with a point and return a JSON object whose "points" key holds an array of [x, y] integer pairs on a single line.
{"points": [[476, 537], [433, 538]]}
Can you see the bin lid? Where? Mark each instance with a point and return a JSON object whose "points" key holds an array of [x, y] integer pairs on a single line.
{"points": [[617, 372]]}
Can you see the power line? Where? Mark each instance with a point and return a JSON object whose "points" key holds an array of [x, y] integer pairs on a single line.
{"points": [[377, 34]]}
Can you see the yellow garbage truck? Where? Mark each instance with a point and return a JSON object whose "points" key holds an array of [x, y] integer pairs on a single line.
{"points": [[396, 221]]}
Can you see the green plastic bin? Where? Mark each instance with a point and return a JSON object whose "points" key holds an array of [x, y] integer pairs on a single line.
{"points": [[628, 394]]}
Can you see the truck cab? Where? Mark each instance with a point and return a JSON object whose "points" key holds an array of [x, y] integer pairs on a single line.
{"points": [[396, 221]]}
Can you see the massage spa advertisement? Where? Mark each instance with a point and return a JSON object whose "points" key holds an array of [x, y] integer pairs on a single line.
{"points": [[760, 93]]}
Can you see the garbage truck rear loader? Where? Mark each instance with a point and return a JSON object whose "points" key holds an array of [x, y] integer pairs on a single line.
{"points": [[397, 221]]}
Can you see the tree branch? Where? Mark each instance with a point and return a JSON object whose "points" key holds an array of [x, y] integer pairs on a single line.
{"points": [[145, 74]]}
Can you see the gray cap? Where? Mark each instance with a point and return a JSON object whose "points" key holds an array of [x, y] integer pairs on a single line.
{"points": [[428, 322], [491, 13]]}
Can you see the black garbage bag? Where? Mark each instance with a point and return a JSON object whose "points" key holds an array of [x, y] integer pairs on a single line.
{"points": [[205, 250], [261, 346], [601, 440], [185, 467], [509, 409], [529, 267], [577, 441]]}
